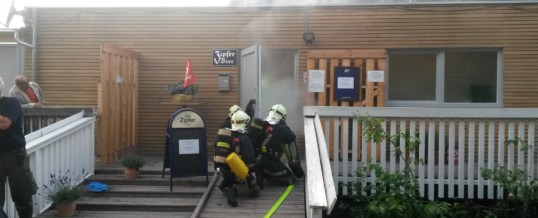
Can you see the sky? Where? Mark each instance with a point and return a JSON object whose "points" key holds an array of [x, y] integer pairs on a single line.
{"points": [[21, 4]]}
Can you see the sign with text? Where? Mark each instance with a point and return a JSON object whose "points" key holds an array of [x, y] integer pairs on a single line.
{"points": [[346, 80], [375, 76], [185, 153], [224, 57], [316, 81]]}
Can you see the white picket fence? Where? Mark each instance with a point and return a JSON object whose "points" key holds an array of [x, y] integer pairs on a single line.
{"points": [[474, 139], [67, 145]]}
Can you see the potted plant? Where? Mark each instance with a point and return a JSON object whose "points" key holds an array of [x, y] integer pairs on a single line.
{"points": [[63, 191], [132, 161], [181, 93]]}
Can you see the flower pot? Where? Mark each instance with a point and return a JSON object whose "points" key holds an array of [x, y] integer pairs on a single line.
{"points": [[181, 98], [67, 209], [131, 172]]}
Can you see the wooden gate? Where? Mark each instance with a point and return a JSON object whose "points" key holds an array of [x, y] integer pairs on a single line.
{"points": [[117, 102], [370, 94]]}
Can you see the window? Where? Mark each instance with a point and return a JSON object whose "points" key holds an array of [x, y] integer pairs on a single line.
{"points": [[445, 78]]}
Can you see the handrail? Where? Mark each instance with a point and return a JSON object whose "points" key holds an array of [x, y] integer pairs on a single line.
{"points": [[64, 146], [318, 166], [328, 180]]}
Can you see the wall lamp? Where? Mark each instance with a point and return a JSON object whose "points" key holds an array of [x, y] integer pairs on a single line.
{"points": [[309, 37]]}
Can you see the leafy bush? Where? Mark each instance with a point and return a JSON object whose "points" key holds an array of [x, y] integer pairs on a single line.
{"points": [[520, 190], [393, 194]]}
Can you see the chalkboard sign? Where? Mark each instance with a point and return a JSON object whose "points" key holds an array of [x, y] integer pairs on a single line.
{"points": [[346, 83], [186, 145]]}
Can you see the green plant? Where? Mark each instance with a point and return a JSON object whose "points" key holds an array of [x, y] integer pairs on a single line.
{"points": [[132, 159], [178, 88], [520, 189], [63, 188], [393, 194]]}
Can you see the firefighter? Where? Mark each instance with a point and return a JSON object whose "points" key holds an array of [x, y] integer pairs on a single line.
{"points": [[227, 124], [275, 147], [235, 158]]}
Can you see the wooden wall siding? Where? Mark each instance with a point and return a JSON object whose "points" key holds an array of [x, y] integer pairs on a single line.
{"points": [[69, 39], [117, 102], [370, 94]]}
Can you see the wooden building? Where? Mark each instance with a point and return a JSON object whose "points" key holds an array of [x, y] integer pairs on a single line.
{"points": [[494, 45]]}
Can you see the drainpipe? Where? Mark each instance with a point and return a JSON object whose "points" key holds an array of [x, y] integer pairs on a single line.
{"points": [[32, 46]]}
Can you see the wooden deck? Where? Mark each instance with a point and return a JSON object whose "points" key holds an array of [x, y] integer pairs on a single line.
{"points": [[149, 196], [292, 206]]}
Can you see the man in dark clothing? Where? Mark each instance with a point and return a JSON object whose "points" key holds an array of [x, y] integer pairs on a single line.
{"points": [[14, 162]]}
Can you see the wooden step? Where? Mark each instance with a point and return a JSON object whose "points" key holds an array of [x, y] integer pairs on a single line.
{"points": [[137, 204], [149, 180], [150, 191], [120, 214]]}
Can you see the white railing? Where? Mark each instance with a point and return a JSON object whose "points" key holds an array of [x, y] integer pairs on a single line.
{"points": [[471, 139], [320, 190], [67, 145]]}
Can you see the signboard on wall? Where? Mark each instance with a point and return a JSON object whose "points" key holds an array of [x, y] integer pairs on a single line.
{"points": [[224, 57], [316, 81], [346, 83]]}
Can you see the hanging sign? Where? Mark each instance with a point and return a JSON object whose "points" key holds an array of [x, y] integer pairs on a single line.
{"points": [[224, 57]]}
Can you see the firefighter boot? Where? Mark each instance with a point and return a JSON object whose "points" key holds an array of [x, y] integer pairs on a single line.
{"points": [[231, 195], [254, 188]]}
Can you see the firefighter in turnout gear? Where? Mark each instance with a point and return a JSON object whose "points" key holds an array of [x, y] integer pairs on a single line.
{"points": [[276, 151], [235, 158]]}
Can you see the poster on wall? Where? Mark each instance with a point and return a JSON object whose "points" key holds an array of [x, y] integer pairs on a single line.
{"points": [[316, 81], [346, 83]]}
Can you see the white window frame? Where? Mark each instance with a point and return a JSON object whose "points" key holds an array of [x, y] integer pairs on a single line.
{"points": [[439, 86]]}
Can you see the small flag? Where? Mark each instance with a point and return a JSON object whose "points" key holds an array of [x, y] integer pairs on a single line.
{"points": [[189, 75]]}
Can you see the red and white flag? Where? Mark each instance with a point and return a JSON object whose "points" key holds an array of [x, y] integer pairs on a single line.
{"points": [[189, 75]]}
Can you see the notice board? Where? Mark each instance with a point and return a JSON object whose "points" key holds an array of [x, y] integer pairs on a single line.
{"points": [[186, 145], [346, 83]]}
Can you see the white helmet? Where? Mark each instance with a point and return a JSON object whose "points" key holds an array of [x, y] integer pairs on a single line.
{"points": [[239, 121], [234, 108], [276, 114]]}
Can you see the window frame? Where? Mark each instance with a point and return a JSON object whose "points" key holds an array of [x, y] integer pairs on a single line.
{"points": [[439, 79]]}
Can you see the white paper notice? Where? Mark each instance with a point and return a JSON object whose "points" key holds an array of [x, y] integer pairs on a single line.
{"points": [[345, 83], [189, 146], [316, 81], [376, 76]]}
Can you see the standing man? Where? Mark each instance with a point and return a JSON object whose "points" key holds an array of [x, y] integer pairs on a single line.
{"points": [[14, 162], [28, 93]]}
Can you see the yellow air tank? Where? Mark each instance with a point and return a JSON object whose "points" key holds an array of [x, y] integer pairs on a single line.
{"points": [[237, 166]]}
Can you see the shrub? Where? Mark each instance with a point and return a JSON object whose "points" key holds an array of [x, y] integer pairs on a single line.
{"points": [[64, 188]]}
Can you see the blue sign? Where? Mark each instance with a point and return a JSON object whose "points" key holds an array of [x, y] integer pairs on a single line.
{"points": [[346, 83], [224, 57]]}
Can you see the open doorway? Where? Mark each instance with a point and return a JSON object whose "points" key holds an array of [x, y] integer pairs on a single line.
{"points": [[271, 77]]}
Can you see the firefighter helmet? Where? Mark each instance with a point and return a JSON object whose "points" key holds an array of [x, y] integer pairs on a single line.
{"points": [[240, 121], [277, 113], [234, 108]]}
